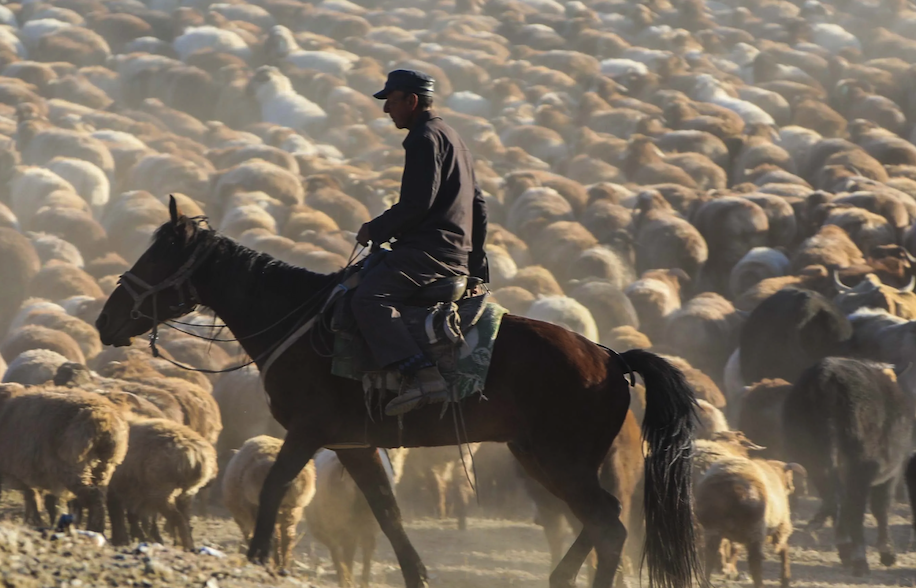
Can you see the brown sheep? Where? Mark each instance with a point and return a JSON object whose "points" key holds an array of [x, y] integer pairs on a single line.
{"points": [[241, 489], [759, 415], [434, 478], [85, 334], [75, 226], [866, 229], [731, 226], [19, 263], [58, 280], [515, 299], [664, 240], [75, 441], [165, 466], [655, 295], [830, 247], [37, 337], [747, 501], [644, 163], [704, 332]]}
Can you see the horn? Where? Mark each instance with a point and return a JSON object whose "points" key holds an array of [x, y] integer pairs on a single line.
{"points": [[909, 287], [902, 372], [909, 256], [840, 286], [173, 209]]}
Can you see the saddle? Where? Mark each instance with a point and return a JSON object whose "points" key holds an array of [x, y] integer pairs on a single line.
{"points": [[440, 317]]}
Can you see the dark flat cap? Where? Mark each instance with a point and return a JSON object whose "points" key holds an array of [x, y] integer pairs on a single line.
{"points": [[407, 80]]}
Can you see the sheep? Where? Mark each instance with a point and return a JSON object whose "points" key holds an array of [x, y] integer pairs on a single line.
{"points": [[757, 265], [74, 441], [165, 466], [241, 489], [710, 420], [38, 337], [655, 295], [84, 334], [257, 175], [281, 47], [87, 180], [704, 332], [52, 247], [19, 263], [58, 280], [566, 312], [758, 412], [731, 226], [340, 518], [708, 89], [665, 241], [747, 501], [33, 367], [830, 247], [194, 39], [281, 105]]}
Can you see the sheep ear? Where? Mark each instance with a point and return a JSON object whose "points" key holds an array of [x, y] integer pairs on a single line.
{"points": [[174, 213]]}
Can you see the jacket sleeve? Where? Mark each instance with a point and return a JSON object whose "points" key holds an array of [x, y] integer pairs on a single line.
{"points": [[419, 186], [478, 266]]}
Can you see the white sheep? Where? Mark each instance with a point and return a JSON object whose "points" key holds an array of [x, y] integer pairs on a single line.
{"points": [[282, 46], [51, 247], [340, 518], [33, 30], [834, 38], [34, 367], [281, 105], [242, 485], [708, 89], [9, 37], [616, 67], [469, 103], [87, 179], [565, 312], [209, 37], [29, 189]]}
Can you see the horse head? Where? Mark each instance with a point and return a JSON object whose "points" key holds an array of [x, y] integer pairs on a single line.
{"points": [[158, 287]]}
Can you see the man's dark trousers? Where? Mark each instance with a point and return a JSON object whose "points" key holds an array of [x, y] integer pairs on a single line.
{"points": [[375, 303]]}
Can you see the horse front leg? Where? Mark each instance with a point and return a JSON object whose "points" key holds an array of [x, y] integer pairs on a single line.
{"points": [[298, 448], [365, 466]]}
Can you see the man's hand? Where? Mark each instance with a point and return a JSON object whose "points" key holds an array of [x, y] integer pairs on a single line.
{"points": [[363, 237]]}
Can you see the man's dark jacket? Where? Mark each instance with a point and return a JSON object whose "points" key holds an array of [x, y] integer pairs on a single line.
{"points": [[441, 210]]}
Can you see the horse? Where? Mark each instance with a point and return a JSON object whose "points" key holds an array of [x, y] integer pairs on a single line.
{"points": [[557, 399]]}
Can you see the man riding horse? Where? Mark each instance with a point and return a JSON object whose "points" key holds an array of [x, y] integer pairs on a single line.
{"points": [[439, 227]]}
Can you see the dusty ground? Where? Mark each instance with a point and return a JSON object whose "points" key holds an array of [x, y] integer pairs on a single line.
{"points": [[492, 553]]}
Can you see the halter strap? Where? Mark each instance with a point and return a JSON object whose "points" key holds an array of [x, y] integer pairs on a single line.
{"points": [[139, 290]]}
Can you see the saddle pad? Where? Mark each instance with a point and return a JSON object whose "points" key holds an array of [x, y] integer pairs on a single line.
{"points": [[463, 363]]}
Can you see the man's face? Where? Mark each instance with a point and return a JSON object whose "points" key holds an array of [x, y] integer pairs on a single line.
{"points": [[400, 107]]}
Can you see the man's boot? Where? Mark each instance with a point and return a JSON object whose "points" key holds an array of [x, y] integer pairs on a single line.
{"points": [[427, 386]]}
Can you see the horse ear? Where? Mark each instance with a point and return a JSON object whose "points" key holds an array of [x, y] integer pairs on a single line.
{"points": [[174, 213]]}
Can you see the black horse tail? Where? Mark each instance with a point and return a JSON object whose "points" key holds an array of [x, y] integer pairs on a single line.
{"points": [[668, 428]]}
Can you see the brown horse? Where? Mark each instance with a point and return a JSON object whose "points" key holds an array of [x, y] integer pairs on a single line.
{"points": [[557, 399]]}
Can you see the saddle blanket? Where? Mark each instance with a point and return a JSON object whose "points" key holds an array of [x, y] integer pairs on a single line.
{"points": [[458, 337]]}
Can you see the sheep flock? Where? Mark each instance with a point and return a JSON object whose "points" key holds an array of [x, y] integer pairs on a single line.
{"points": [[728, 183]]}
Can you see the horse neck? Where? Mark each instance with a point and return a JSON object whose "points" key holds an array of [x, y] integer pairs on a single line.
{"points": [[253, 294]]}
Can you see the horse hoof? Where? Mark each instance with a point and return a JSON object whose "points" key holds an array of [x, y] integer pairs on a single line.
{"points": [[844, 550], [860, 568], [888, 559]]}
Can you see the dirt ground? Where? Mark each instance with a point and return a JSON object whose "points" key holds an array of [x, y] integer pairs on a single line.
{"points": [[491, 553]]}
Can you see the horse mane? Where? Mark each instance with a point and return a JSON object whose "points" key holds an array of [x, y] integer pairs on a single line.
{"points": [[273, 275]]}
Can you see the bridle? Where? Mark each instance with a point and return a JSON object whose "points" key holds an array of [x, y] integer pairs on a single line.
{"points": [[139, 290]]}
